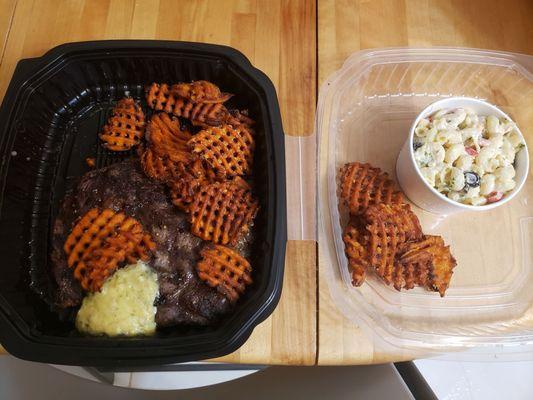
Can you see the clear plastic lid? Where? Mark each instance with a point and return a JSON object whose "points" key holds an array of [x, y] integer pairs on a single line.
{"points": [[364, 114]]}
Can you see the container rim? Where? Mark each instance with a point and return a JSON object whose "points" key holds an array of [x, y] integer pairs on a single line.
{"points": [[23, 344], [375, 325], [400, 54]]}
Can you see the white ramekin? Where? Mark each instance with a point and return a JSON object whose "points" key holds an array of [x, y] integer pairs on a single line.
{"points": [[425, 196]]}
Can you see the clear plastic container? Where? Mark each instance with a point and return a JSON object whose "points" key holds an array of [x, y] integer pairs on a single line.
{"points": [[364, 114]]}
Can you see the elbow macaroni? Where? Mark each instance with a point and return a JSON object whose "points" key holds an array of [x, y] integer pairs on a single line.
{"points": [[468, 158]]}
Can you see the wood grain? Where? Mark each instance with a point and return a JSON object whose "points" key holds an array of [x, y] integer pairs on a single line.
{"points": [[277, 36], [5, 23], [347, 26]]}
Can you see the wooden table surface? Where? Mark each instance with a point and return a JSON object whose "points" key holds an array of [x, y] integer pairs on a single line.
{"points": [[297, 43]]}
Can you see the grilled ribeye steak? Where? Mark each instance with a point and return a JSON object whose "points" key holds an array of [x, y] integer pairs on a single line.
{"points": [[183, 298]]}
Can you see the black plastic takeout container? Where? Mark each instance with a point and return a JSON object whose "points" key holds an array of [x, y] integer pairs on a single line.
{"points": [[49, 121]]}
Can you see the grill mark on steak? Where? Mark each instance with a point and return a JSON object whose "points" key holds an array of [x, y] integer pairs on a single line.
{"points": [[183, 298]]}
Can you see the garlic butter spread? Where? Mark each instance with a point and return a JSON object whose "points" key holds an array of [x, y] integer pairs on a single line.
{"points": [[124, 306]]}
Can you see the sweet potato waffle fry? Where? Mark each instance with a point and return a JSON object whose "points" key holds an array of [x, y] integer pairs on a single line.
{"points": [[166, 139], [167, 148], [125, 127], [206, 115], [187, 182], [102, 240], [408, 275], [142, 250], [201, 92], [90, 231], [225, 269], [161, 97], [355, 246], [388, 227], [239, 118], [384, 235], [157, 167], [91, 162], [240, 183], [434, 257], [362, 185], [214, 155], [95, 268], [228, 150], [221, 212], [171, 128]]}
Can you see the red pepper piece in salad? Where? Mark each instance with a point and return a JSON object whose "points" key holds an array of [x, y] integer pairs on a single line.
{"points": [[494, 197], [472, 151]]}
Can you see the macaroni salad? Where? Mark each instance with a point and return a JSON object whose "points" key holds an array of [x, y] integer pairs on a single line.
{"points": [[467, 157]]}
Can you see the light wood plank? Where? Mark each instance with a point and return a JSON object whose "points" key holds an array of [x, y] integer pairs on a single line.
{"points": [[278, 37], [347, 26], [7, 9], [297, 75], [119, 19]]}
